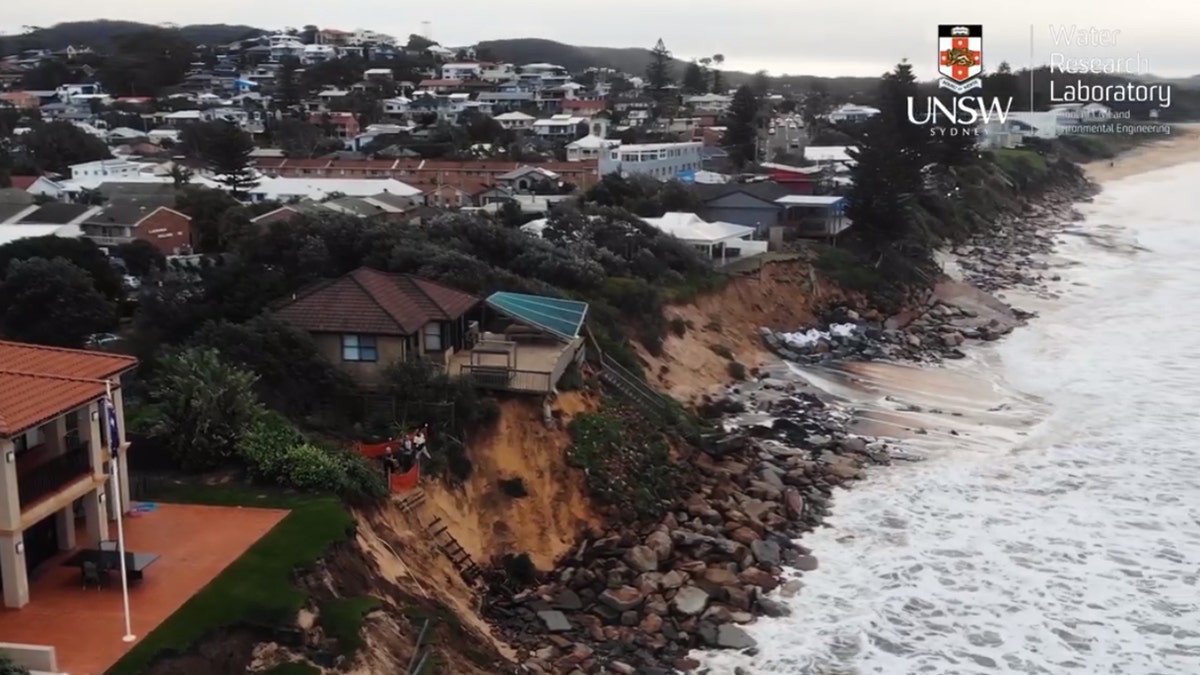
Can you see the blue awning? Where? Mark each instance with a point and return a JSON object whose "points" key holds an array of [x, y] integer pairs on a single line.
{"points": [[561, 318]]}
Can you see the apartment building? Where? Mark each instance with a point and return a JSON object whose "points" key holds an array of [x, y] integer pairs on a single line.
{"points": [[661, 160]]}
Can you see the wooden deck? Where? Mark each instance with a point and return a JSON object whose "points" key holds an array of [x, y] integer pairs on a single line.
{"points": [[534, 367]]}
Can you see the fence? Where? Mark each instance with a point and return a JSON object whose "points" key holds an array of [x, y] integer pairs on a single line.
{"points": [[507, 379]]}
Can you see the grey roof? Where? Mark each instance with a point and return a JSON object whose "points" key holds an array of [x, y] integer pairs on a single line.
{"points": [[8, 210], [55, 213], [131, 190], [355, 205], [394, 200], [15, 196], [128, 211], [767, 191]]}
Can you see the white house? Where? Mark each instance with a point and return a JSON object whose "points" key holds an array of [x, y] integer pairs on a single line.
{"points": [[287, 189], [516, 120], [719, 241], [461, 71], [497, 72], [852, 113], [108, 168], [835, 157], [709, 104], [558, 126], [661, 160], [590, 147], [1045, 124]]}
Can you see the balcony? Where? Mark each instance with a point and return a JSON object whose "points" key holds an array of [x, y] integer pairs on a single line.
{"points": [[36, 481]]}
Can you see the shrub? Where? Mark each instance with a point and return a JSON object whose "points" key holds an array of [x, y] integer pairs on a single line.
{"points": [[520, 568], [737, 371], [722, 351], [312, 468], [205, 408], [267, 446], [513, 487], [571, 380], [846, 269], [679, 327]]}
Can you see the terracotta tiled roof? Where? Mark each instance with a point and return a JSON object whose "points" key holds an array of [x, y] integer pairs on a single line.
{"points": [[371, 302], [39, 383], [23, 182]]}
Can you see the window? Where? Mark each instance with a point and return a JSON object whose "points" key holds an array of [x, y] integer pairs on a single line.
{"points": [[433, 337], [359, 348]]}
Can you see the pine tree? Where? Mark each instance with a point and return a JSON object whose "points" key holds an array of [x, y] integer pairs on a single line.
{"points": [[694, 79], [658, 71], [228, 153], [288, 83], [741, 129], [718, 82]]}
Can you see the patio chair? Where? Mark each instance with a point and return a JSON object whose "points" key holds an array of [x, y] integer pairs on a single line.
{"points": [[91, 574]]}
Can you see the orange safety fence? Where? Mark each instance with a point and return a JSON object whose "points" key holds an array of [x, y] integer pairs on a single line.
{"points": [[401, 482], [375, 450]]}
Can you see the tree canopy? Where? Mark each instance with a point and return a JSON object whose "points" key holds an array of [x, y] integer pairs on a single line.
{"points": [[52, 302]]}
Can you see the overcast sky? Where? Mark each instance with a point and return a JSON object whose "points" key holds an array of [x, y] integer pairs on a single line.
{"points": [[782, 36]]}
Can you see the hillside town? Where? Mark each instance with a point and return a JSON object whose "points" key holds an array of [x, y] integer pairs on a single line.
{"points": [[349, 116], [323, 351]]}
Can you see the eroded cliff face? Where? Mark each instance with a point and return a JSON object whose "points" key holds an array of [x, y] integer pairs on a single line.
{"points": [[528, 443], [781, 296]]}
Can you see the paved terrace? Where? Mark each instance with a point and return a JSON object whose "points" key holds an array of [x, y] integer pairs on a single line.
{"points": [[85, 626]]}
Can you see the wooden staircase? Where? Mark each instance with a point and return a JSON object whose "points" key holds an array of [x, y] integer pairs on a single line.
{"points": [[633, 389], [439, 534]]}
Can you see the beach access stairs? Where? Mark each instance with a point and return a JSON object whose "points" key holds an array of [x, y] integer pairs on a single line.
{"points": [[439, 534]]}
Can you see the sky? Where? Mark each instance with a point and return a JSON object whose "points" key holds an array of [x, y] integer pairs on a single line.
{"points": [[863, 38]]}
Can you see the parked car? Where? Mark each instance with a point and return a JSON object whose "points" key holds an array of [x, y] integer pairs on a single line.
{"points": [[102, 339]]}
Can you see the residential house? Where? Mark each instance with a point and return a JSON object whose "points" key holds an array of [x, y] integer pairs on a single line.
{"points": [[462, 71], [1010, 133], [750, 204], [720, 242], [530, 179], [516, 121], [497, 72], [799, 179], [106, 168], [56, 456], [810, 217], [560, 127], [708, 104], [378, 74], [37, 185], [852, 113], [440, 85], [584, 107], [664, 161], [22, 100], [590, 148], [368, 319], [1046, 124], [341, 125], [507, 101], [140, 213], [413, 171], [287, 189], [836, 158]]}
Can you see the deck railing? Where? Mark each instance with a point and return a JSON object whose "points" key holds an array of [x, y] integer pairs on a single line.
{"points": [[507, 379], [50, 476]]}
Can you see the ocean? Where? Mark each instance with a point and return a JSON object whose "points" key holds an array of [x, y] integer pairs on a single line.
{"points": [[1059, 530]]}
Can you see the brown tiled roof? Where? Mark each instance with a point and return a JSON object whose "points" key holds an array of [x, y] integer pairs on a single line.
{"points": [[39, 383], [371, 302]]}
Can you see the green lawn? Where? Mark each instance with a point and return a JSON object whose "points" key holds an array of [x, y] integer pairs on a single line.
{"points": [[342, 620], [257, 587]]}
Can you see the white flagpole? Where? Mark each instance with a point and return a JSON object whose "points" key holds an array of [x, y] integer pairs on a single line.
{"points": [[114, 445]]}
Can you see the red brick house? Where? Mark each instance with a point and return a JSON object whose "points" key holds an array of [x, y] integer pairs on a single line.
{"points": [[165, 228]]}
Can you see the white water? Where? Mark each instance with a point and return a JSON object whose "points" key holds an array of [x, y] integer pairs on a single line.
{"points": [[1069, 543]]}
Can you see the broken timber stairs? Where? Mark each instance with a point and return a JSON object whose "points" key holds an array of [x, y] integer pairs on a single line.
{"points": [[440, 535]]}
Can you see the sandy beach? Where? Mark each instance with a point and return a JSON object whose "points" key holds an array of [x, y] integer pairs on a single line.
{"points": [[1181, 147]]}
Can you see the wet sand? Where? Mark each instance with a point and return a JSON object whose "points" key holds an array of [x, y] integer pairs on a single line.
{"points": [[1181, 147]]}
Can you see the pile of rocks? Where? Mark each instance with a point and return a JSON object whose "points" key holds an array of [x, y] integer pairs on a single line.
{"points": [[637, 601], [1005, 256]]}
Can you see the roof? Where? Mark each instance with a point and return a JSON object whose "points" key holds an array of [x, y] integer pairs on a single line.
{"points": [[561, 318], [829, 153], [56, 213], [767, 191], [11, 233], [9, 211], [23, 182], [128, 211], [39, 383], [809, 200], [515, 115], [693, 229], [371, 302], [317, 188]]}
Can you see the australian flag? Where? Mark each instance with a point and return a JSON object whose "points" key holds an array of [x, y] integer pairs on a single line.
{"points": [[114, 434]]}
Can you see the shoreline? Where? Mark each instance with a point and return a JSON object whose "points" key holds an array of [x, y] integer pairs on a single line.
{"points": [[1182, 149]]}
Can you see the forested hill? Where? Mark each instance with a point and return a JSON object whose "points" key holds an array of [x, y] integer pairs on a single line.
{"points": [[100, 33]]}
